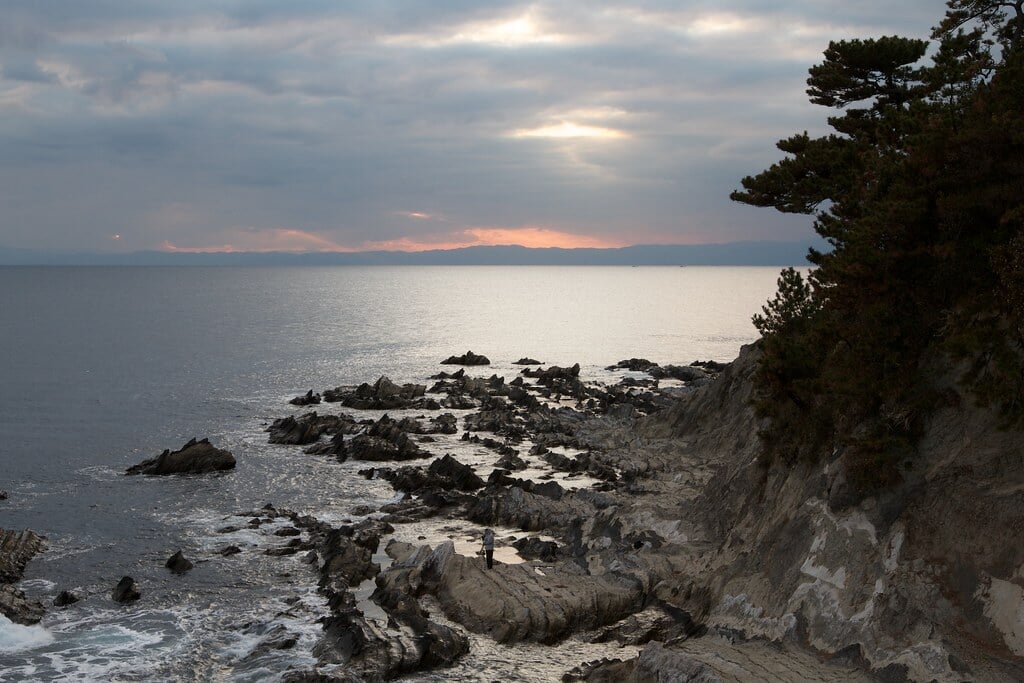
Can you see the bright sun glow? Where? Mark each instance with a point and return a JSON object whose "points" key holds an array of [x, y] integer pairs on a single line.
{"points": [[567, 129], [718, 24]]}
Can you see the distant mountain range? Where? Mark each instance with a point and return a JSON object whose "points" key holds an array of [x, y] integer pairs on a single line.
{"points": [[728, 254]]}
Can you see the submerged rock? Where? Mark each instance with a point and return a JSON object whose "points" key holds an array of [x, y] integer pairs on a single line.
{"points": [[195, 457]]}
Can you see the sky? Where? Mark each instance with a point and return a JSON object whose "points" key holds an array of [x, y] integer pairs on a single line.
{"points": [[334, 125]]}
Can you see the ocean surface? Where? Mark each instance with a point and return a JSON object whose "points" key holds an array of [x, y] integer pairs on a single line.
{"points": [[103, 367]]}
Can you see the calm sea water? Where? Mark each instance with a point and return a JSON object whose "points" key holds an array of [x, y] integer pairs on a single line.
{"points": [[103, 367]]}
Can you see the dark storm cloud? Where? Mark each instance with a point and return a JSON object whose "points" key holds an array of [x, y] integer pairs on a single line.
{"points": [[319, 124]]}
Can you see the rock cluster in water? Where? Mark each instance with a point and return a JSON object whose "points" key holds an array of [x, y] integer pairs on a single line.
{"points": [[718, 566]]}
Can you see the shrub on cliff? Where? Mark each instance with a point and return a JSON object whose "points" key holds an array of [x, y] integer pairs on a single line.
{"points": [[920, 194]]}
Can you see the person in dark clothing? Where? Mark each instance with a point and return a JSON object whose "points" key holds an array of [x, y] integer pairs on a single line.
{"points": [[489, 547]]}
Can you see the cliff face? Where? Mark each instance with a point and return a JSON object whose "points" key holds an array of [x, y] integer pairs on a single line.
{"points": [[925, 582]]}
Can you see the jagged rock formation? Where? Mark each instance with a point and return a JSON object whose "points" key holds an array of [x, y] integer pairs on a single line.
{"points": [[468, 358], [923, 582], [195, 457], [16, 549]]}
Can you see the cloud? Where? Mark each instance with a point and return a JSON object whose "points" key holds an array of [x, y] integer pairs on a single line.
{"points": [[262, 240], [382, 123]]}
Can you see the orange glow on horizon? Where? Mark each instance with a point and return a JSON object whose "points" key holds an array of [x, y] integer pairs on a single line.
{"points": [[530, 237], [300, 241]]}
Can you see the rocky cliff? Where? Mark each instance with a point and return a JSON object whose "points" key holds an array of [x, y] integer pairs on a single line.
{"points": [[924, 582]]}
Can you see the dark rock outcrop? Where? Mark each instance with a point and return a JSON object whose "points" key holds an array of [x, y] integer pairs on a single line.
{"points": [[553, 373], [384, 440], [126, 591], [468, 358], [178, 563], [526, 361], [381, 395], [308, 399], [64, 599], [683, 373], [633, 364], [195, 457], [309, 427]]}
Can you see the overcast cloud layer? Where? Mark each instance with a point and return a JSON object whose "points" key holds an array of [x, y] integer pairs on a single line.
{"points": [[326, 125]]}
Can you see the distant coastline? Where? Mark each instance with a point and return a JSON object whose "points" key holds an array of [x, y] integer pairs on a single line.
{"points": [[727, 254]]}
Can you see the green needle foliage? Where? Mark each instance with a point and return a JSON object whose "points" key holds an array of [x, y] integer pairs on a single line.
{"points": [[919, 192]]}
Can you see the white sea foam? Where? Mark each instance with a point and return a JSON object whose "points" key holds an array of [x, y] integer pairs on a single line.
{"points": [[18, 638]]}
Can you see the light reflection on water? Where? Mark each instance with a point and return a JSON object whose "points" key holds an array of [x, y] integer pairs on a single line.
{"points": [[104, 367]]}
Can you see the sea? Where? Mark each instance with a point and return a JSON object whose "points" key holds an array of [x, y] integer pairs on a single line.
{"points": [[103, 367]]}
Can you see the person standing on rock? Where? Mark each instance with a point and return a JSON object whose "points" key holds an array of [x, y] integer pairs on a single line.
{"points": [[489, 547]]}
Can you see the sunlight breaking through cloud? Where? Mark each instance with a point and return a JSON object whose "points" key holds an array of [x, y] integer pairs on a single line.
{"points": [[567, 129]]}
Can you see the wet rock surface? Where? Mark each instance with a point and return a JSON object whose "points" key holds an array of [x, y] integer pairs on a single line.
{"points": [[195, 457], [126, 591]]}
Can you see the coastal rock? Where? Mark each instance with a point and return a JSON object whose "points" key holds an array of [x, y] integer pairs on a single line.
{"points": [[126, 591], [633, 364], [16, 549], [526, 361], [195, 457], [454, 474], [468, 358], [384, 440], [345, 562], [553, 373], [911, 584], [534, 548], [367, 649], [683, 373], [443, 475], [308, 399], [334, 446], [513, 603], [445, 423], [381, 395], [19, 609], [64, 599], [308, 428], [178, 564], [511, 461]]}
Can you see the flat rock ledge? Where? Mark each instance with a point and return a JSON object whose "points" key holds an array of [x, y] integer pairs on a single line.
{"points": [[512, 603], [195, 457], [16, 549]]}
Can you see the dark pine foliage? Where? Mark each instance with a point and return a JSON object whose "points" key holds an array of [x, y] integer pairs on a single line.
{"points": [[920, 194]]}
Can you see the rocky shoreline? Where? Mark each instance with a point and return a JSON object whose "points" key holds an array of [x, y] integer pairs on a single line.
{"points": [[634, 513]]}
